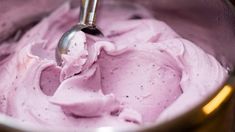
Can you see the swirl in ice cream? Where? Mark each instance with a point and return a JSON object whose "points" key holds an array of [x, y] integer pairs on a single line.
{"points": [[141, 72]]}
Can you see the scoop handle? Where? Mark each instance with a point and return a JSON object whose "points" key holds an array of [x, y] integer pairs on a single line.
{"points": [[88, 12]]}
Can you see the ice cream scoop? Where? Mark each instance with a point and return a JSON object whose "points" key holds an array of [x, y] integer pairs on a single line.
{"points": [[86, 24]]}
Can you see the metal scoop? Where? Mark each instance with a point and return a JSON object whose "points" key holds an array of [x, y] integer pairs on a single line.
{"points": [[86, 24]]}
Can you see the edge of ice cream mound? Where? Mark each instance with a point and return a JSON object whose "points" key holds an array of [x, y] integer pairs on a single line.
{"points": [[141, 72]]}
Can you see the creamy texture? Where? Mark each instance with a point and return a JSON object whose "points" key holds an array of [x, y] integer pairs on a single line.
{"points": [[141, 72], [27, 11]]}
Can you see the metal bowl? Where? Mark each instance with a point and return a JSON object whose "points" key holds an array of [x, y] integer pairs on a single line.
{"points": [[212, 27]]}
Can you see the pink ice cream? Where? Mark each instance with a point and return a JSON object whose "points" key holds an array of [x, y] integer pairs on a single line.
{"points": [[141, 72]]}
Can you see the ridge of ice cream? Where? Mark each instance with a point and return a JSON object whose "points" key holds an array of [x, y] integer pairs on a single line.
{"points": [[141, 72]]}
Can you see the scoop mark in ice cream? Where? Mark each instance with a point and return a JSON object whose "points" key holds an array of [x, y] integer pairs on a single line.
{"points": [[142, 72], [135, 16], [49, 80]]}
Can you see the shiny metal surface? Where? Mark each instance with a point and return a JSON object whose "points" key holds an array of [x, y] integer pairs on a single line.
{"points": [[63, 44], [88, 12], [86, 24]]}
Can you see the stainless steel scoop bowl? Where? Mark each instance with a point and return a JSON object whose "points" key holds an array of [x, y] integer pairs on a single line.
{"points": [[86, 24]]}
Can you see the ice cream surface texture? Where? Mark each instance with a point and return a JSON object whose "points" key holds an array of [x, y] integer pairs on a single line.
{"points": [[141, 72]]}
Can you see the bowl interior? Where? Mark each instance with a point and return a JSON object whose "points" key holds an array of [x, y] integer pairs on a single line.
{"points": [[210, 24]]}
